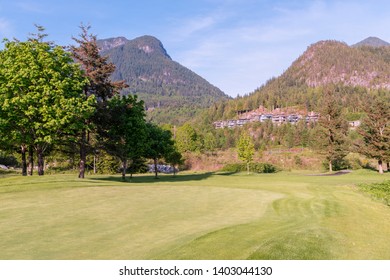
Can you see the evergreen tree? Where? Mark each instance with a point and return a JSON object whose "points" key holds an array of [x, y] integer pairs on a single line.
{"points": [[332, 129], [375, 131], [123, 129], [97, 70]]}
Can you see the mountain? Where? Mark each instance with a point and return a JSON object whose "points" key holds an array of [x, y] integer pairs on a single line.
{"points": [[333, 62], [107, 44], [172, 93], [355, 73], [372, 42]]}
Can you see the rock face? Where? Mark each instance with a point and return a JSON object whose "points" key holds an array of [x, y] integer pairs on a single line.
{"points": [[107, 44]]}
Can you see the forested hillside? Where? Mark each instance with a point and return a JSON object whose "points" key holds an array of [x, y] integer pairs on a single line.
{"points": [[357, 72], [172, 93]]}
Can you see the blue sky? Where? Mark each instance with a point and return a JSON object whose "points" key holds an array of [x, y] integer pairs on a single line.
{"points": [[237, 45]]}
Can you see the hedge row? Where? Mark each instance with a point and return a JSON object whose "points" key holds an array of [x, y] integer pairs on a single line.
{"points": [[253, 167]]}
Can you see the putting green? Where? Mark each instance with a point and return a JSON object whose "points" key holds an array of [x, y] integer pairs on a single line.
{"points": [[195, 216]]}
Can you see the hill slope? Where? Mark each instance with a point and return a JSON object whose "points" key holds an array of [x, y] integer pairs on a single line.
{"points": [[356, 72], [171, 92], [332, 62]]}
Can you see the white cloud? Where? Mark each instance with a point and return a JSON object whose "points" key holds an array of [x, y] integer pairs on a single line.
{"points": [[240, 51]]}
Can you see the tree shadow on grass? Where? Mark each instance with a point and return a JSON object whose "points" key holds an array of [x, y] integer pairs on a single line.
{"points": [[150, 179]]}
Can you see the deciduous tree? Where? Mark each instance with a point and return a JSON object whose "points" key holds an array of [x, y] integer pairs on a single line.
{"points": [[40, 94], [159, 144], [245, 149]]}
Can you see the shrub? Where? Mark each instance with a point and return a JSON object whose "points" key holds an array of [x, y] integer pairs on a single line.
{"points": [[254, 167], [8, 160], [379, 191]]}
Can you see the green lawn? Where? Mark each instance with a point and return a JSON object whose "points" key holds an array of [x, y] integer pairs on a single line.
{"points": [[193, 216]]}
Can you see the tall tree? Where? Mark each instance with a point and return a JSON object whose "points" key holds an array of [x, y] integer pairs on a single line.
{"points": [[375, 131], [40, 93], [123, 129], [97, 70], [333, 128], [245, 149]]}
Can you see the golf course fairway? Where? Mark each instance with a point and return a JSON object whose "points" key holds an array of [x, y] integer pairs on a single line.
{"points": [[203, 216]]}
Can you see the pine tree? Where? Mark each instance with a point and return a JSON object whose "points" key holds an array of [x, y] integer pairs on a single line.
{"points": [[375, 131], [97, 70], [333, 128]]}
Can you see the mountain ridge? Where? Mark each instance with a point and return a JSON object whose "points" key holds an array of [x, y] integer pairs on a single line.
{"points": [[168, 89], [372, 42], [352, 73]]}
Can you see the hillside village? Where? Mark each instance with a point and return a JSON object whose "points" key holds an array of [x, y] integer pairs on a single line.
{"points": [[277, 116]]}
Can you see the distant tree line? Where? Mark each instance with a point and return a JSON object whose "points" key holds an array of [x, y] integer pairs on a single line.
{"points": [[58, 101]]}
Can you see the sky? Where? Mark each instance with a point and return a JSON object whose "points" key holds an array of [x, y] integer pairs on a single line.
{"points": [[237, 45]]}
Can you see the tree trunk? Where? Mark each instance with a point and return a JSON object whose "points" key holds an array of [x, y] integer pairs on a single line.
{"points": [[380, 166], [83, 154], [247, 168], [30, 160], [24, 162], [94, 164], [155, 168], [41, 161], [124, 167], [330, 166]]}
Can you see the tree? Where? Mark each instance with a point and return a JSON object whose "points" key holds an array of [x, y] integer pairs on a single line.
{"points": [[40, 95], [245, 149], [97, 70], [187, 139], [174, 158], [375, 131], [333, 129], [123, 129], [159, 144]]}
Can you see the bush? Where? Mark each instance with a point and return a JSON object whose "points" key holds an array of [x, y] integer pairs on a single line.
{"points": [[379, 191], [7, 159], [253, 167]]}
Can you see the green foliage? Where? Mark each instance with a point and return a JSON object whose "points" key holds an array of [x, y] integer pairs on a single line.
{"points": [[380, 191], [245, 149], [40, 95], [187, 140], [254, 167], [375, 131], [159, 144], [7, 159], [106, 164], [332, 130]]}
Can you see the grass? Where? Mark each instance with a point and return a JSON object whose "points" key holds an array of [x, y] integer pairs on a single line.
{"points": [[193, 216], [380, 191]]}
